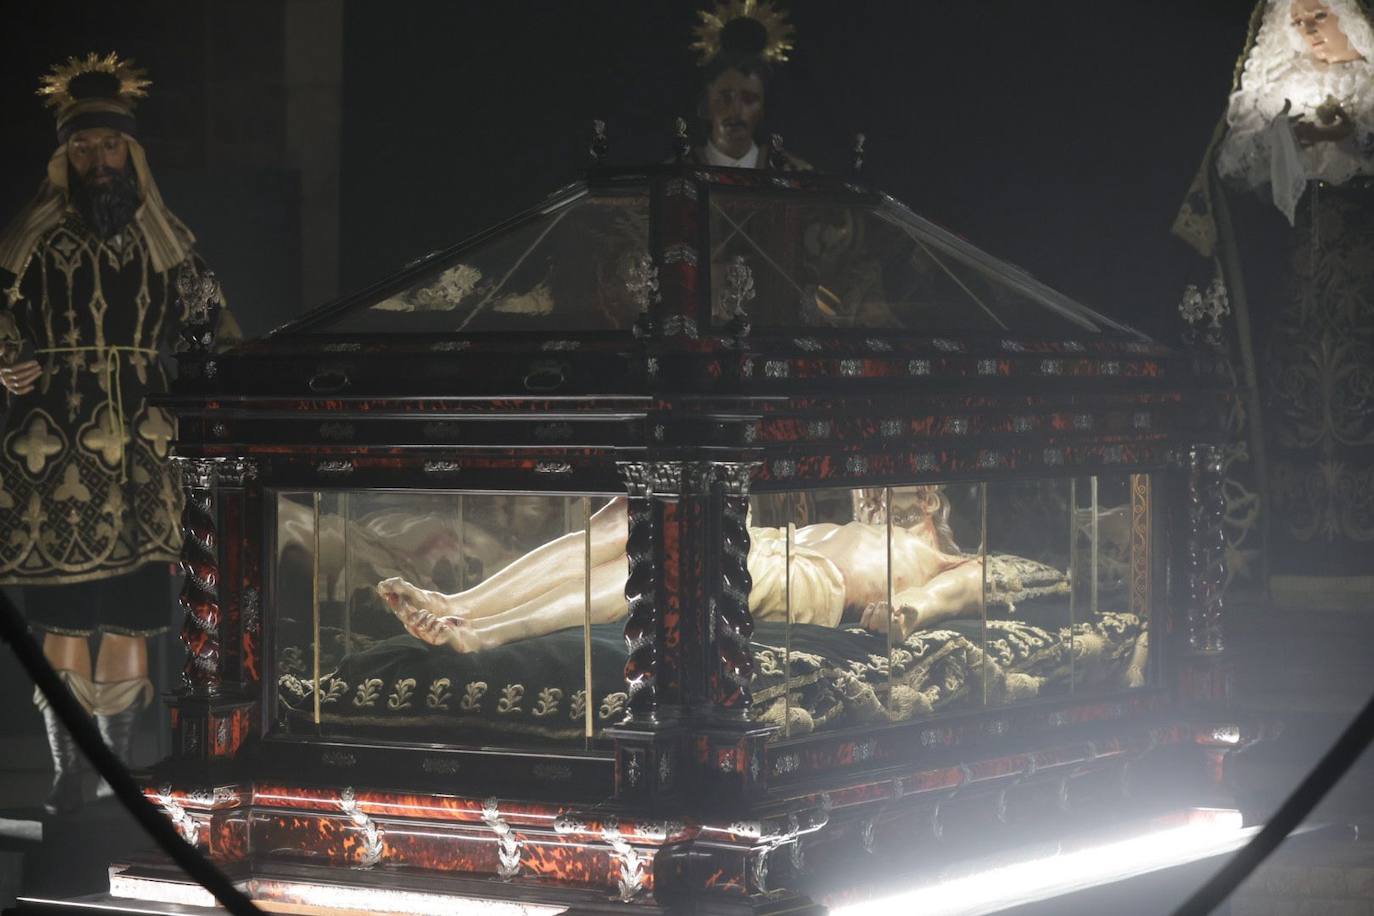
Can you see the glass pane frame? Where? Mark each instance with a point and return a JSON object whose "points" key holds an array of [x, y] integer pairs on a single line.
{"points": [[576, 509], [443, 273], [885, 664], [1115, 648], [1005, 298]]}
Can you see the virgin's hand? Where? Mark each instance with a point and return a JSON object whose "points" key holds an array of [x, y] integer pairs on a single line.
{"points": [[1308, 132], [20, 378]]}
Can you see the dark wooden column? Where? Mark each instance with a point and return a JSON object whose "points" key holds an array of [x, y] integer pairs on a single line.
{"points": [[727, 746], [1205, 563], [202, 672], [731, 658], [1205, 672], [216, 709], [667, 590]]}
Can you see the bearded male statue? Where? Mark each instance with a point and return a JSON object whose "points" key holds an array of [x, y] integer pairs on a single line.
{"points": [[90, 504]]}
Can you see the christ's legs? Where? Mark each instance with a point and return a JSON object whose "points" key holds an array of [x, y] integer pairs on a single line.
{"points": [[547, 568], [560, 607]]}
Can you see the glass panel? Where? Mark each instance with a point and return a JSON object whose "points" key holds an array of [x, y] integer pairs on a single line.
{"points": [[453, 617], [834, 264], [1030, 637], [1113, 579], [865, 616], [564, 270], [293, 595]]}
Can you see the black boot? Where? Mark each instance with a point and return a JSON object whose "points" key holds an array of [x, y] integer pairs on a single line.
{"points": [[65, 797], [118, 731]]}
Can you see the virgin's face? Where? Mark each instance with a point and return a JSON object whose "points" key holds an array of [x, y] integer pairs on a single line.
{"points": [[1321, 30]]}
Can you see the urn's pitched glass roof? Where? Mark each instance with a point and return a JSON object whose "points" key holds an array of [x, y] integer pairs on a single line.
{"points": [[823, 255]]}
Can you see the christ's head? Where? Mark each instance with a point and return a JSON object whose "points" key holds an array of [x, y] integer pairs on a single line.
{"points": [[732, 102]]}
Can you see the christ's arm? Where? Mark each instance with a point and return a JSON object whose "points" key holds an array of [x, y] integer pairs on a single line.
{"points": [[955, 592]]}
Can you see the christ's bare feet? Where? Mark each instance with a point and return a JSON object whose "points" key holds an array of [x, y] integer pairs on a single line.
{"points": [[398, 589], [436, 629]]}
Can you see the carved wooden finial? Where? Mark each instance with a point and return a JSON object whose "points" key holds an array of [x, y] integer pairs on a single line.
{"points": [[599, 146], [777, 159], [682, 145]]}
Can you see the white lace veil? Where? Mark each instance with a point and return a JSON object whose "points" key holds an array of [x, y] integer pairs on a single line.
{"points": [[1279, 68]]}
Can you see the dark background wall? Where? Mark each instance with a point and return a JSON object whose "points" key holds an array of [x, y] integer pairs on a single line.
{"points": [[1060, 135], [315, 145]]}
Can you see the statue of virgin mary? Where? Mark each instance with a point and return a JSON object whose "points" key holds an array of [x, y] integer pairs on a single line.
{"points": [[1298, 137], [1304, 106]]}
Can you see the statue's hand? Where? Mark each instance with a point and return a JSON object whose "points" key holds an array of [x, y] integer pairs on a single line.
{"points": [[902, 620], [20, 378], [1333, 126]]}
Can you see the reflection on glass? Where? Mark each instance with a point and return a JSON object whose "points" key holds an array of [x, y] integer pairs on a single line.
{"points": [[866, 608], [429, 615], [1030, 640], [293, 654], [1111, 582], [423, 663], [565, 270], [830, 264], [906, 601]]}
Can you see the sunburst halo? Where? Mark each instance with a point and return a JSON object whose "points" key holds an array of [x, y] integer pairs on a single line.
{"points": [[55, 87], [773, 19]]}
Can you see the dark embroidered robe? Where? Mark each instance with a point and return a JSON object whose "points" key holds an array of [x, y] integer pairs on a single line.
{"points": [[87, 490]]}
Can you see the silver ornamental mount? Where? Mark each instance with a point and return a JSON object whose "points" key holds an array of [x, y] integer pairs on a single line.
{"points": [[739, 287], [197, 291], [1204, 310], [642, 281]]}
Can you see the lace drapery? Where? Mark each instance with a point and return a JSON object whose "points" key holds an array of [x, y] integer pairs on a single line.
{"points": [[1259, 147]]}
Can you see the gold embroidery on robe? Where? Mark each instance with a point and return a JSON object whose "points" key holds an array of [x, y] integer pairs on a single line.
{"points": [[87, 488]]}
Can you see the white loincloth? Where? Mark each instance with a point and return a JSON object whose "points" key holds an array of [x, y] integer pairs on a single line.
{"points": [[817, 583]]}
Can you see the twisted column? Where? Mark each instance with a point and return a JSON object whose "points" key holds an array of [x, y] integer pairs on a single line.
{"points": [[641, 626], [732, 625], [200, 593], [1205, 558]]}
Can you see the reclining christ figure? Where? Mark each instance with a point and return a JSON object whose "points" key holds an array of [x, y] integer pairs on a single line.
{"points": [[838, 574]]}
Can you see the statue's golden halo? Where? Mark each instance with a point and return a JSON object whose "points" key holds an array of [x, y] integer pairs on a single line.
{"points": [[773, 19], [55, 87]]}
